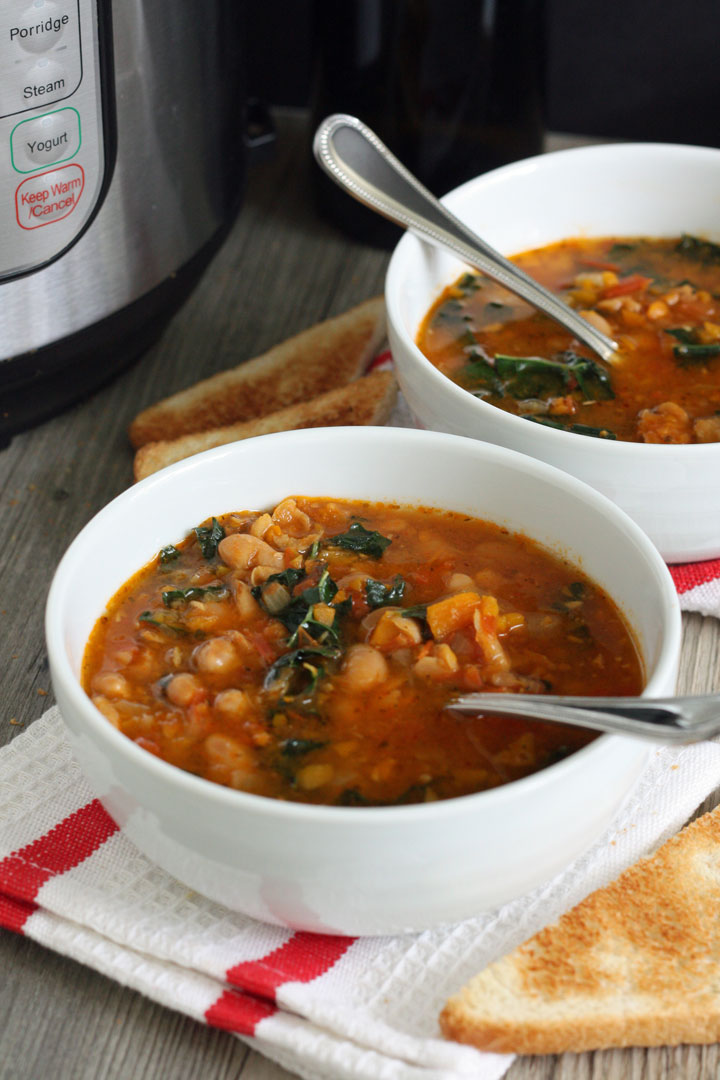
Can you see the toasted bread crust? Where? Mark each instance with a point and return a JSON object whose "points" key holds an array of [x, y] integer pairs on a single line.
{"points": [[321, 358], [368, 400], [637, 963]]}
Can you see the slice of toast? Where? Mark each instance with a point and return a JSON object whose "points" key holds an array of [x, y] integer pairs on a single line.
{"points": [[325, 356], [368, 400], [637, 963]]}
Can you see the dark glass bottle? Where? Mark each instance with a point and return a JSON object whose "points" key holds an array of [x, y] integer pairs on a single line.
{"points": [[453, 89]]}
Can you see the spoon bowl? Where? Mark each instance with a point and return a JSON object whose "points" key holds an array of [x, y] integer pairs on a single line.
{"points": [[355, 158]]}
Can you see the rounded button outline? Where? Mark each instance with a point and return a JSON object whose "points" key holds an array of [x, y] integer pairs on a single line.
{"points": [[38, 176], [32, 120]]}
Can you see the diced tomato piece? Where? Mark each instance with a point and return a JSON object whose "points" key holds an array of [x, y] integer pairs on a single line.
{"points": [[264, 648], [600, 264], [359, 606], [627, 285]]}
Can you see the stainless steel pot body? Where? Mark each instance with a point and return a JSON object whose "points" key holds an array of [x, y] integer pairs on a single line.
{"points": [[123, 163]]}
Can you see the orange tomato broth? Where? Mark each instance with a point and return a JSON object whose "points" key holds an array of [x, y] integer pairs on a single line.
{"points": [[657, 298], [358, 718]]}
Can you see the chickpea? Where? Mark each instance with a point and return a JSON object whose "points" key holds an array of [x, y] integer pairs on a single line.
{"points": [[146, 665], [657, 310], [184, 689], [111, 684], [233, 704], [460, 582], [197, 721], [217, 656], [224, 750], [229, 762], [364, 667], [242, 550]]}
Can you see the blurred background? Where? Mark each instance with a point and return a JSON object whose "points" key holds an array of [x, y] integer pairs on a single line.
{"points": [[455, 89], [631, 69]]}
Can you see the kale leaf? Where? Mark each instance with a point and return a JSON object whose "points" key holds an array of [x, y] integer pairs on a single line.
{"points": [[534, 377], [301, 658], [379, 595], [577, 429], [169, 554], [174, 597], [703, 251], [298, 747], [592, 378], [690, 350], [360, 540], [159, 620], [479, 373], [208, 537]]}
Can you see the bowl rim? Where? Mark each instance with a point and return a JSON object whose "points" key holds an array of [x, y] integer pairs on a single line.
{"points": [[320, 814], [403, 254]]}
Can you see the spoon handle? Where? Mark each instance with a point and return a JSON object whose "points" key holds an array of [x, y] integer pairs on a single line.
{"points": [[668, 720], [355, 158]]}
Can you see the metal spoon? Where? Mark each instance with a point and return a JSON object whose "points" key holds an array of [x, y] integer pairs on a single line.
{"points": [[355, 158], [668, 719]]}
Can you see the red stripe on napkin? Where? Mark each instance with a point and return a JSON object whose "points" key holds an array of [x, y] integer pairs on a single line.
{"points": [[382, 359], [238, 1012], [67, 844], [301, 959], [689, 575], [15, 913]]}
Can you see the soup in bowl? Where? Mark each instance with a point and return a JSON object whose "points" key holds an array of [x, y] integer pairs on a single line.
{"points": [[252, 651], [610, 230]]}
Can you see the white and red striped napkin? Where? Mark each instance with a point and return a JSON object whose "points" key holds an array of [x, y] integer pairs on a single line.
{"points": [[698, 586], [326, 1008]]}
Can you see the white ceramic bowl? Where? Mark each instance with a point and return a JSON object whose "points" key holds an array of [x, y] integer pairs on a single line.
{"points": [[359, 870], [672, 492]]}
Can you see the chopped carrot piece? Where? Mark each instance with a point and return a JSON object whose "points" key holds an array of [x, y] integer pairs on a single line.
{"points": [[446, 616]]}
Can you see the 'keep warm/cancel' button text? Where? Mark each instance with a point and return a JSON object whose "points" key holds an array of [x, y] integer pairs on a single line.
{"points": [[49, 197]]}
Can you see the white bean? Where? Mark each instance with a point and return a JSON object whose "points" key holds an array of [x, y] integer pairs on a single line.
{"points": [[364, 667], [239, 551]]}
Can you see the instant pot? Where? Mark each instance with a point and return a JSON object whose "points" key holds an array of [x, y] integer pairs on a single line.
{"points": [[121, 168]]}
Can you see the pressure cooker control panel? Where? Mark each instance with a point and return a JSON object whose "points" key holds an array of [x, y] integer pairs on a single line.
{"points": [[52, 157]]}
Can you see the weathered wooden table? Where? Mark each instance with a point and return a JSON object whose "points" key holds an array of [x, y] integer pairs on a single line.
{"points": [[281, 269]]}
